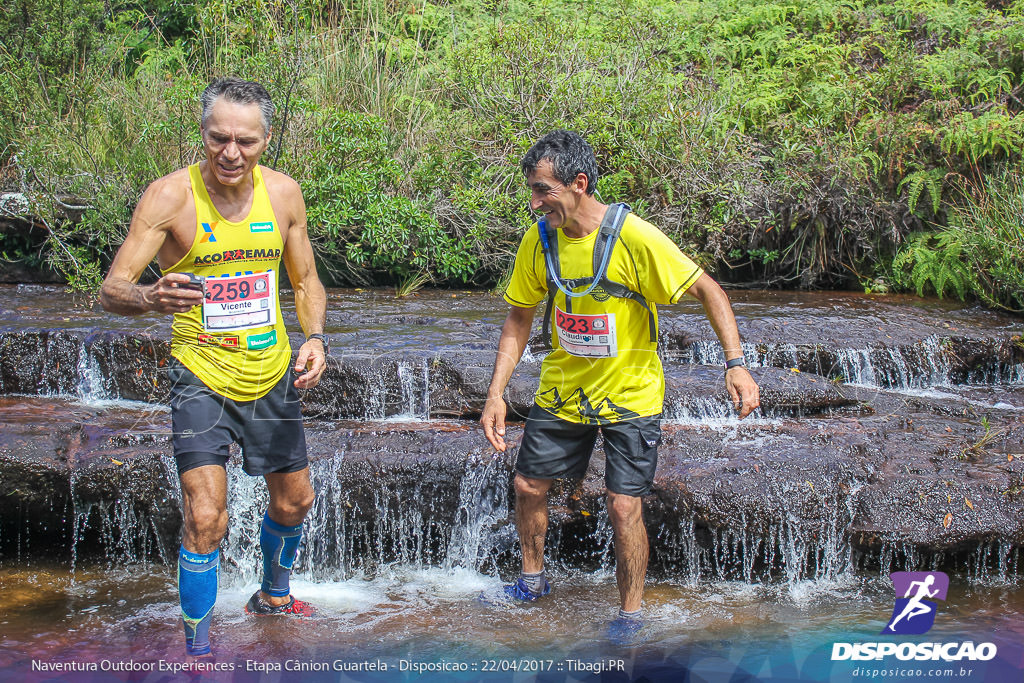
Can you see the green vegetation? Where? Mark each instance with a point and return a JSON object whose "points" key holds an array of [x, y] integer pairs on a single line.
{"points": [[980, 251], [787, 143]]}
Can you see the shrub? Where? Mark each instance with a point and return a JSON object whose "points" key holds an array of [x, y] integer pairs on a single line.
{"points": [[356, 215]]}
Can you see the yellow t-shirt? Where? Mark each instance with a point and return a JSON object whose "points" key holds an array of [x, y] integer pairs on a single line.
{"points": [[617, 375], [236, 342]]}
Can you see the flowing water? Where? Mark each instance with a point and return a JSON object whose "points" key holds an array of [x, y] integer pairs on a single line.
{"points": [[396, 572]]}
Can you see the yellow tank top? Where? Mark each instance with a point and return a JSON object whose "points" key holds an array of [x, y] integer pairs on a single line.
{"points": [[236, 341]]}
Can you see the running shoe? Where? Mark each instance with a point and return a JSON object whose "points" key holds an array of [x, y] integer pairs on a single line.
{"points": [[259, 607], [625, 631], [513, 593]]}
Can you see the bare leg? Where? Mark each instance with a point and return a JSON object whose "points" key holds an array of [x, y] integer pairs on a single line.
{"points": [[631, 548], [532, 520], [204, 492], [291, 497]]}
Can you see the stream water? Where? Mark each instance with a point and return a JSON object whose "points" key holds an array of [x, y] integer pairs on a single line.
{"points": [[396, 573]]}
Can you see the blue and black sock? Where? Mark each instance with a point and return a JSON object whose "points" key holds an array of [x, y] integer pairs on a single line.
{"points": [[197, 592], [280, 545]]}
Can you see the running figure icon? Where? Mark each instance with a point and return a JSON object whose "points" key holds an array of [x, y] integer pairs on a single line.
{"points": [[916, 607], [918, 591]]}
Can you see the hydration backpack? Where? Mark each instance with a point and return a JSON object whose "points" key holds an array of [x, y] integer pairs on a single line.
{"points": [[607, 236]]}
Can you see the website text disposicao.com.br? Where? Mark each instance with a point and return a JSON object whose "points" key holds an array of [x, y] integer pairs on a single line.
{"points": [[901, 673], [949, 657]]}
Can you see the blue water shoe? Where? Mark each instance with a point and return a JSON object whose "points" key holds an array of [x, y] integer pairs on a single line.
{"points": [[511, 594], [626, 631]]}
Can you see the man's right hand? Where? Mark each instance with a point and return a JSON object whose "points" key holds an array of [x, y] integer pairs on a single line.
{"points": [[493, 420], [169, 294]]}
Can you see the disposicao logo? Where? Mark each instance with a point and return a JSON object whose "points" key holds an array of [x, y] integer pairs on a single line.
{"points": [[914, 614]]}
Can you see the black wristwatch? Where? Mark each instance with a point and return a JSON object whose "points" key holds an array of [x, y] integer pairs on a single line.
{"points": [[324, 339], [735, 363]]}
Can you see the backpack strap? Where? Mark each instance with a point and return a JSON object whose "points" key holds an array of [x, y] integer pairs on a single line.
{"points": [[607, 236], [623, 292], [549, 245], [610, 231]]}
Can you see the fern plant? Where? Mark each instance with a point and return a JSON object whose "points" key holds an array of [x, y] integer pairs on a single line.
{"points": [[935, 260], [916, 182]]}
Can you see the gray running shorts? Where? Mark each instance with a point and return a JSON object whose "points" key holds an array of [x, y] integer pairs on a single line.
{"points": [[204, 425], [554, 448]]}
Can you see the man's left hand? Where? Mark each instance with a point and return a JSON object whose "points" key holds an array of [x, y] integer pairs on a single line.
{"points": [[311, 362], [743, 390]]}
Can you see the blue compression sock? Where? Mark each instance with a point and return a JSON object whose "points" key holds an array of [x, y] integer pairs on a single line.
{"points": [[197, 591], [280, 544]]}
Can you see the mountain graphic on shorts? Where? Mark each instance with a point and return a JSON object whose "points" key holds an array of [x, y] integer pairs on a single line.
{"points": [[578, 402]]}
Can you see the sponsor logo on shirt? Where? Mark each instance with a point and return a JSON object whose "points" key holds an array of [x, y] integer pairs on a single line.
{"points": [[238, 255], [257, 342], [208, 236], [229, 342]]}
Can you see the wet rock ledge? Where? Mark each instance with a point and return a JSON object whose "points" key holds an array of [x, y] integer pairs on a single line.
{"points": [[835, 479], [890, 436]]}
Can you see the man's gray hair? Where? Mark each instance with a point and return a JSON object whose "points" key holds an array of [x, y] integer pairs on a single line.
{"points": [[240, 92]]}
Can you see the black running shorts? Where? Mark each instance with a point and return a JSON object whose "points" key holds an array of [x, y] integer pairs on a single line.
{"points": [[204, 424], [554, 448]]}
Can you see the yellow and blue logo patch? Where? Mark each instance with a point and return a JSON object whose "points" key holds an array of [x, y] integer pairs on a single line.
{"points": [[208, 235]]}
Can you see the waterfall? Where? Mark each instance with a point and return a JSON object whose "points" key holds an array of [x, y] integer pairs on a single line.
{"points": [[481, 527], [404, 528], [922, 365], [697, 409], [126, 533], [92, 385], [927, 363], [683, 548], [414, 382], [375, 393], [753, 551]]}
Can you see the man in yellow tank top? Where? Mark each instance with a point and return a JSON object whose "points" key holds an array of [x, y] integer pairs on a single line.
{"points": [[220, 230], [604, 373]]}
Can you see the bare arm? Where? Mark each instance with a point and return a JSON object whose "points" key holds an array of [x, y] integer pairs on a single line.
{"points": [[151, 224], [514, 335], [742, 388], [310, 296]]}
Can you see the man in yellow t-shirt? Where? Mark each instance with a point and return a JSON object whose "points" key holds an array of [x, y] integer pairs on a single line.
{"points": [[604, 373]]}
